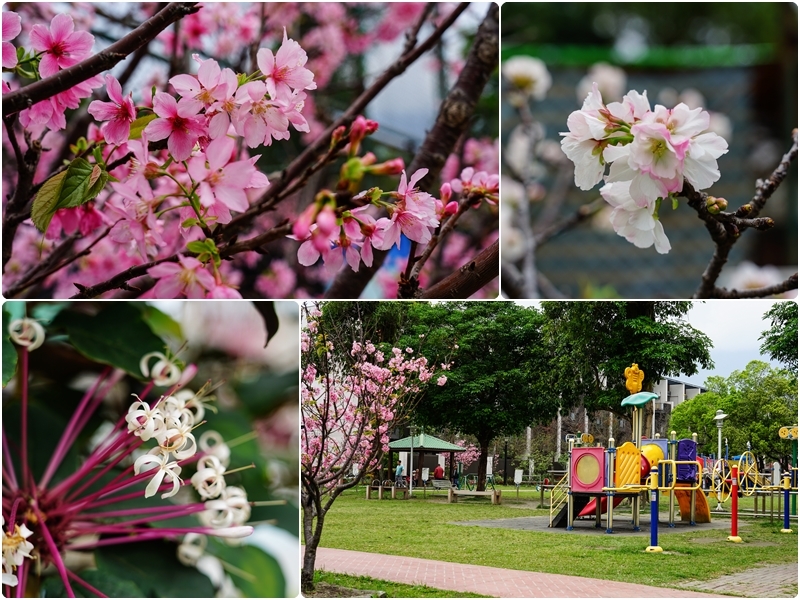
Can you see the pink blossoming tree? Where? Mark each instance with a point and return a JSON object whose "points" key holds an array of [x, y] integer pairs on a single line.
{"points": [[244, 153], [351, 398]]}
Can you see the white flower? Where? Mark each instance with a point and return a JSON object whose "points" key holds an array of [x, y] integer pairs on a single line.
{"points": [[164, 371], [16, 549], [635, 223], [143, 421], [209, 480], [529, 75], [177, 438], [211, 442], [610, 80], [231, 508], [192, 548], [26, 332], [169, 470]]}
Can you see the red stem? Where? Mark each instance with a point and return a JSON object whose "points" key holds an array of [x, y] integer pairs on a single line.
{"points": [[123, 526], [62, 570], [22, 580], [61, 448], [23, 352], [9, 475]]}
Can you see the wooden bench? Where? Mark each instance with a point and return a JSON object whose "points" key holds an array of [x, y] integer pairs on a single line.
{"points": [[441, 484], [387, 485], [453, 494]]}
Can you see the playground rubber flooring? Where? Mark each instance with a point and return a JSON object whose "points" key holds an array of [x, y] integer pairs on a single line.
{"points": [[622, 525]]}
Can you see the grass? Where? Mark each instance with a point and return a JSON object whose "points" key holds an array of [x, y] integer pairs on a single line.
{"points": [[421, 528], [392, 589]]}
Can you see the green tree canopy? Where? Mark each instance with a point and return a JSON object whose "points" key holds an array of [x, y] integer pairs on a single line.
{"points": [[758, 401], [494, 385], [591, 343], [780, 340]]}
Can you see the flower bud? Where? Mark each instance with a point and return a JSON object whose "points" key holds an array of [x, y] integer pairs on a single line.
{"points": [[326, 220], [302, 225], [394, 166], [446, 192]]}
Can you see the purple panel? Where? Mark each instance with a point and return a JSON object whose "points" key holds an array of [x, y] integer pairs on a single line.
{"points": [[687, 450]]}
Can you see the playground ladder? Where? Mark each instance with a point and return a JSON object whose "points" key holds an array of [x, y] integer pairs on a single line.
{"points": [[558, 497]]}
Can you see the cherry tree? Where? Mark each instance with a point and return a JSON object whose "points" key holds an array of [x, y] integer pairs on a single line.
{"points": [[234, 167], [350, 399]]}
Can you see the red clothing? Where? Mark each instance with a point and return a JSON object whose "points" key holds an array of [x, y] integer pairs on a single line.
{"points": [[438, 472]]}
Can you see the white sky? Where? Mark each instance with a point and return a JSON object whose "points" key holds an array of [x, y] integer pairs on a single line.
{"points": [[734, 327]]}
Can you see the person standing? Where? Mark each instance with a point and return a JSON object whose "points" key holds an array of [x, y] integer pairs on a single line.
{"points": [[398, 475], [438, 472]]}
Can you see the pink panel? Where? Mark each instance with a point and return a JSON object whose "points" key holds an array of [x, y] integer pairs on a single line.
{"points": [[587, 469]]}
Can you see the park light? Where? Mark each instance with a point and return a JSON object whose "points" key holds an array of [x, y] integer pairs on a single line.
{"points": [[719, 418]]}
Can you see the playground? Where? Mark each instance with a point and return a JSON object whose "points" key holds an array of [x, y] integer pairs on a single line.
{"points": [[593, 532]]}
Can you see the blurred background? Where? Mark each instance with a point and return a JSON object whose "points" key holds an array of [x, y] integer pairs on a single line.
{"points": [[736, 60]]}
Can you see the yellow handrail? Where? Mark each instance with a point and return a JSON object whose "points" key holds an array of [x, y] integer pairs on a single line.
{"points": [[558, 497]]}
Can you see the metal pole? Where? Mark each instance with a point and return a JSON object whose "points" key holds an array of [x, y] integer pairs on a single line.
{"points": [[411, 468], [654, 547], [787, 485], [734, 536]]}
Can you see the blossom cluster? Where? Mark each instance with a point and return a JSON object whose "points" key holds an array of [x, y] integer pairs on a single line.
{"points": [[347, 416], [650, 152]]}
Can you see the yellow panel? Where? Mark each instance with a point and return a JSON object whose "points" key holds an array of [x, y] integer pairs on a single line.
{"points": [[587, 469], [628, 465]]}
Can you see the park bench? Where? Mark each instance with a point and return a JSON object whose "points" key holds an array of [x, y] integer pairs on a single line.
{"points": [[386, 485], [441, 484], [453, 494]]}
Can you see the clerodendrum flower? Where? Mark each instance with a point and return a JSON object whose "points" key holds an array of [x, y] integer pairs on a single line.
{"points": [[46, 519]]}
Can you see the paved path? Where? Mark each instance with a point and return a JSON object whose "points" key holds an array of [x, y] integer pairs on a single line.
{"points": [[773, 581], [489, 581]]}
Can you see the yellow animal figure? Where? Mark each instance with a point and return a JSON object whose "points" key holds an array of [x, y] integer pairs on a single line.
{"points": [[634, 378]]}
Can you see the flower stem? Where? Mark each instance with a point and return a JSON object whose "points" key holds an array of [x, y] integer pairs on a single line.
{"points": [[66, 438], [54, 553], [22, 580], [124, 526], [23, 371], [9, 475]]}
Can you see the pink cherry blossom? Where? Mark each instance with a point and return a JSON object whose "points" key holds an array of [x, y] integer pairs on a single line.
{"points": [[62, 46], [12, 25], [119, 113], [637, 224], [259, 119], [188, 277], [285, 71], [211, 84], [413, 215], [179, 122]]}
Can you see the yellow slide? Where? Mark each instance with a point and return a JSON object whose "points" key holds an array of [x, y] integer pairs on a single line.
{"points": [[702, 513]]}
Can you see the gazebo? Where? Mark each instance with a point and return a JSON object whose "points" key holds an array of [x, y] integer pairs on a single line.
{"points": [[424, 444]]}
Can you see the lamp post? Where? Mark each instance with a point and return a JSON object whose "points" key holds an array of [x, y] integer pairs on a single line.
{"points": [[505, 463], [413, 431], [719, 418]]}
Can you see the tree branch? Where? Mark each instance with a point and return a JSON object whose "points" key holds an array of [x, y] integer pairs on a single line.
{"points": [[102, 61], [763, 292], [453, 119], [469, 278]]}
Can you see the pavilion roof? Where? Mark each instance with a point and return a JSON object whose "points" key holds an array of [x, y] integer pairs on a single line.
{"points": [[425, 441]]}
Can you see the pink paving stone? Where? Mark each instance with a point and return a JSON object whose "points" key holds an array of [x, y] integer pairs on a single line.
{"points": [[490, 581]]}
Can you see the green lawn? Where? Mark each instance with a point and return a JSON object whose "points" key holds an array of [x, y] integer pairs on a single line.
{"points": [[392, 589], [420, 528]]}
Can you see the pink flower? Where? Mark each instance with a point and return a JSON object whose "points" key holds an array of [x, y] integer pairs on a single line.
{"points": [[441, 381], [210, 85], [223, 181], [119, 113], [179, 122], [259, 119], [285, 71], [12, 25], [413, 215], [188, 278], [63, 47]]}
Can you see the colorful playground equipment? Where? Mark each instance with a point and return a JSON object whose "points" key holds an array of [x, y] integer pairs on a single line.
{"points": [[598, 479]]}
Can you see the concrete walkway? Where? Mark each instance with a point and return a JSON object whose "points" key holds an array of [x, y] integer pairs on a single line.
{"points": [[489, 581], [772, 581]]}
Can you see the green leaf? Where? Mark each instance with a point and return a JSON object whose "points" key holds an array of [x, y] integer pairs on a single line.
{"points": [[110, 585], [83, 182], [45, 312], [263, 394], [9, 350], [117, 336], [160, 323], [137, 127], [154, 567], [45, 203], [267, 579]]}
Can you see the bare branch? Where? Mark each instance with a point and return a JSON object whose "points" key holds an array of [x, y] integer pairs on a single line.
{"points": [[469, 278], [763, 292]]}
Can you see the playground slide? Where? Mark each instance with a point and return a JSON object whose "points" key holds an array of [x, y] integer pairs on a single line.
{"points": [[702, 513], [588, 511]]}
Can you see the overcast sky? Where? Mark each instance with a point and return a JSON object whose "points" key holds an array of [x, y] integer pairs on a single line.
{"points": [[734, 327]]}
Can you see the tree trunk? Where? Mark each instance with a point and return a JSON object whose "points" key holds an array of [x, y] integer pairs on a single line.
{"points": [[312, 542], [482, 464]]}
